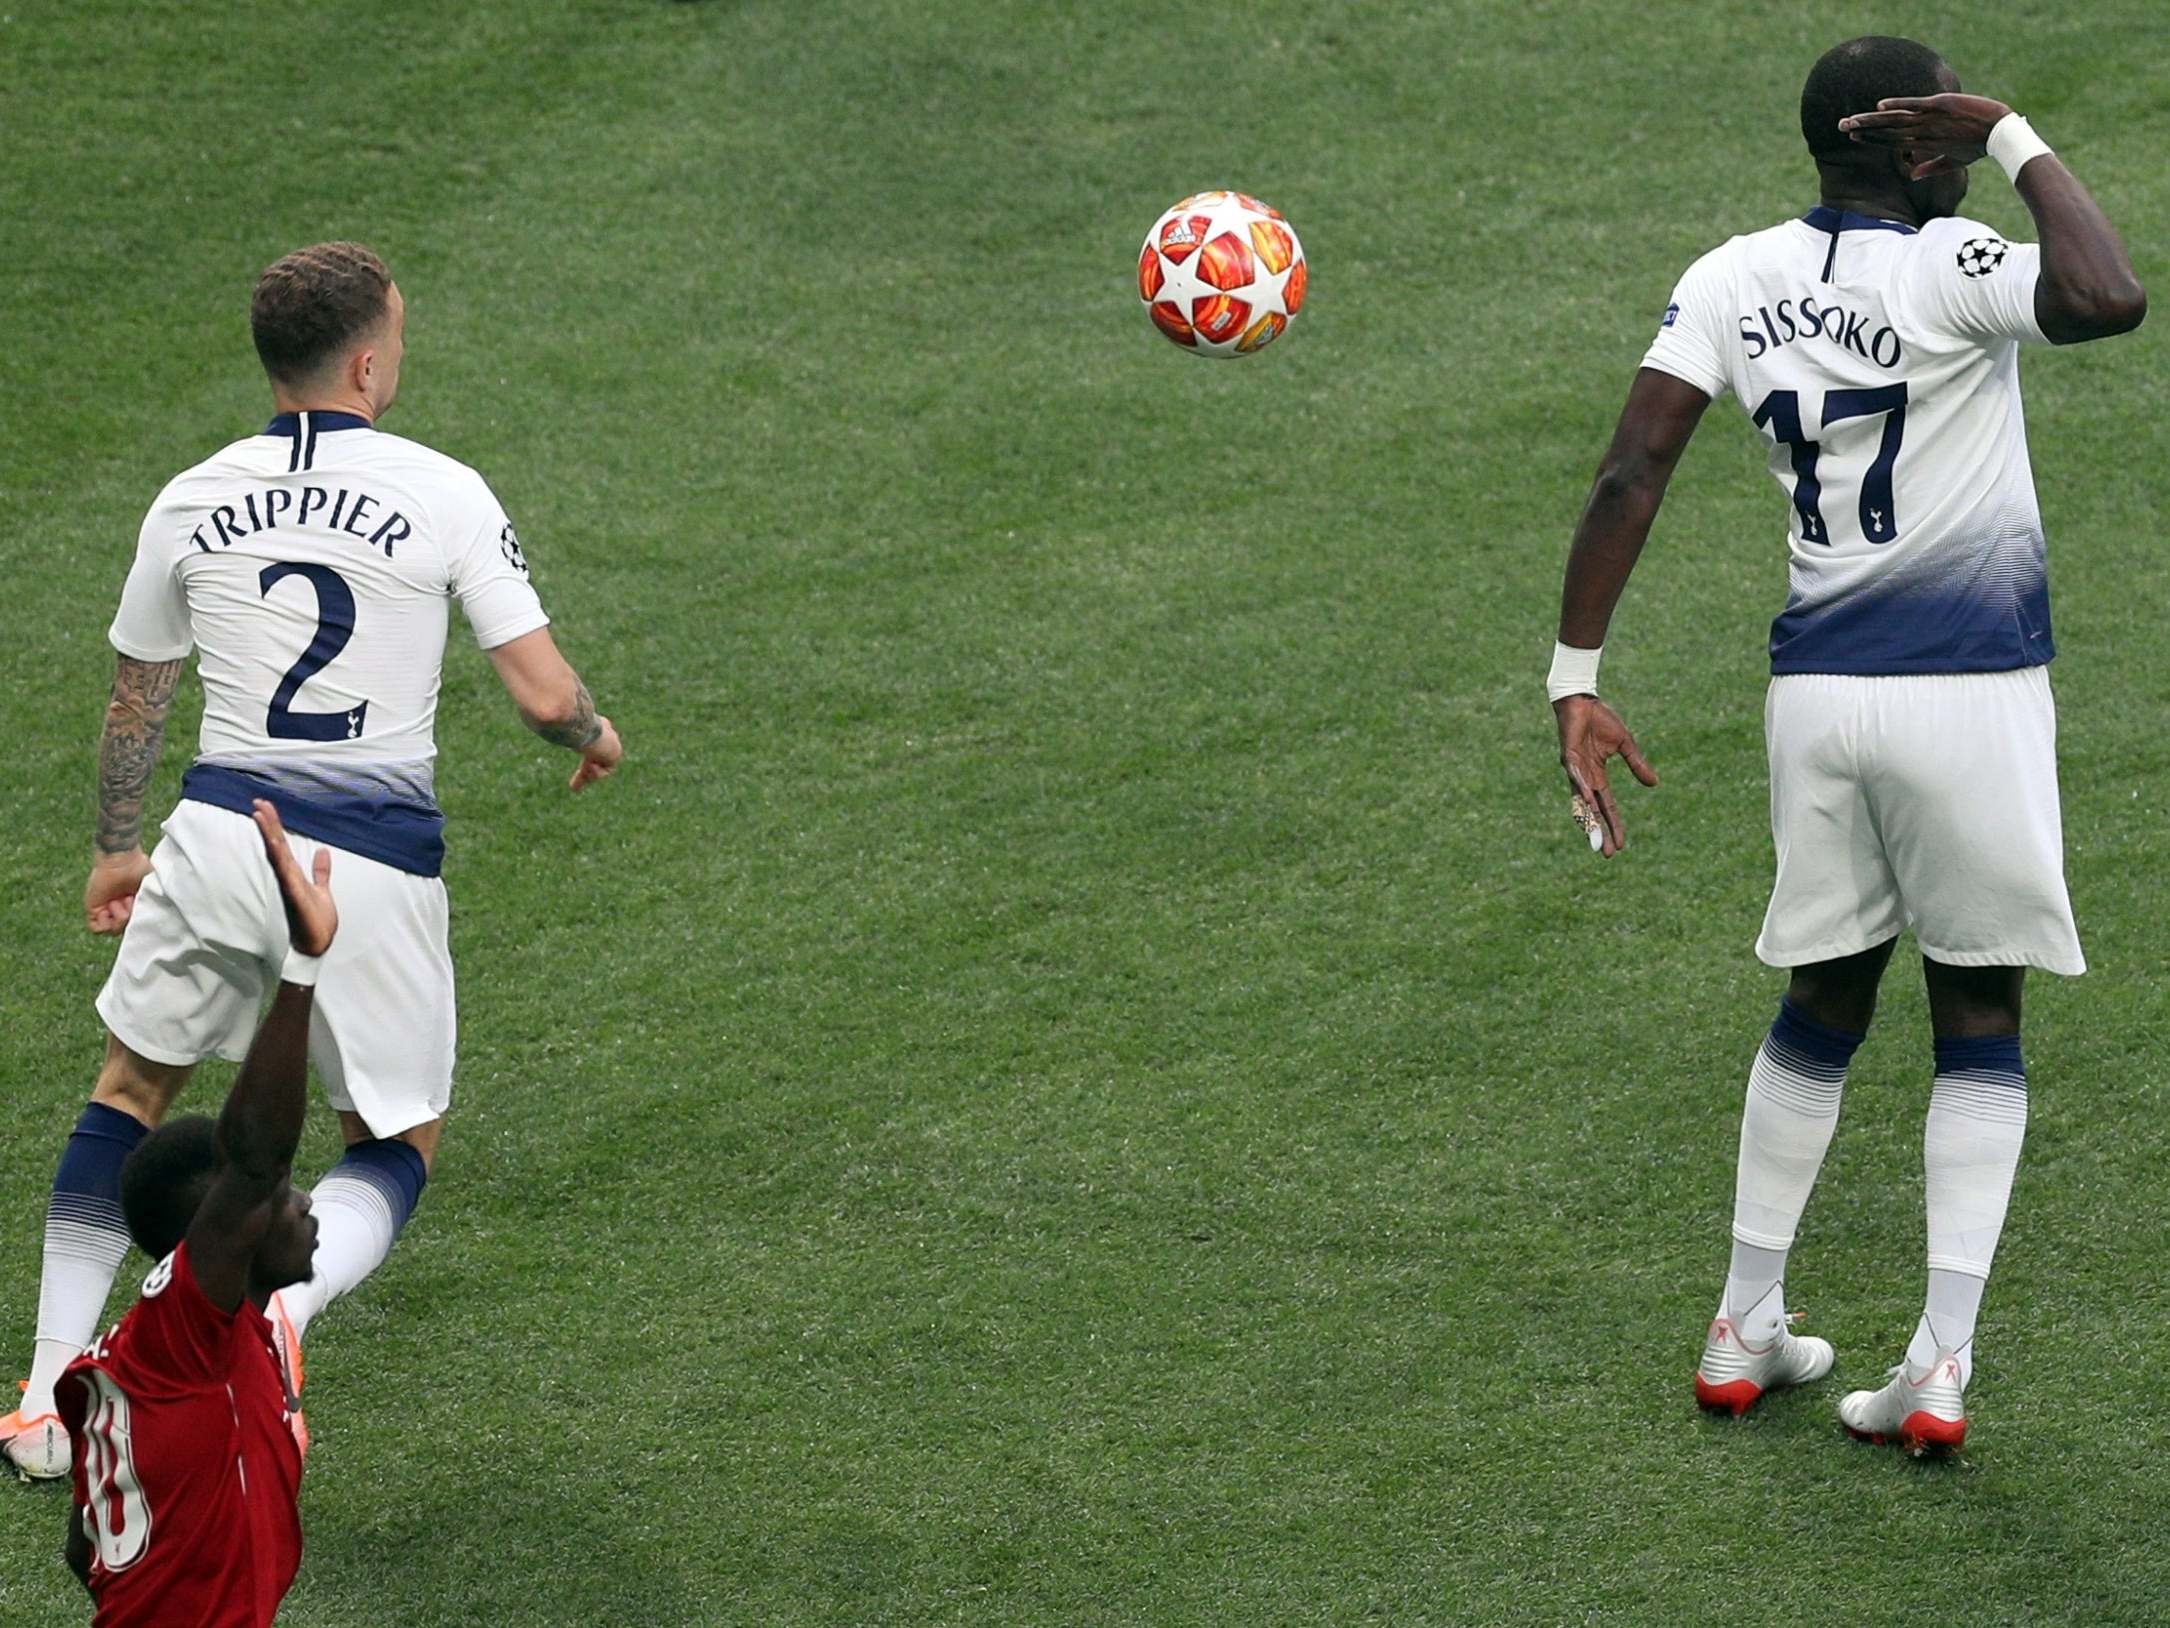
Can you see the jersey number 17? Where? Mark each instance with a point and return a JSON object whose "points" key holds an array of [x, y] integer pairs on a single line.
{"points": [[1781, 415]]}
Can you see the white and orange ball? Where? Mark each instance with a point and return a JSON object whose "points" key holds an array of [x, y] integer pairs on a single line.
{"points": [[1222, 274]]}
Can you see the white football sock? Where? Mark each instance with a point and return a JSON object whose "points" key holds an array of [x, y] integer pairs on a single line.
{"points": [[360, 1206], [86, 1240], [1794, 1089], [1969, 1152], [1947, 1323], [1751, 1282]]}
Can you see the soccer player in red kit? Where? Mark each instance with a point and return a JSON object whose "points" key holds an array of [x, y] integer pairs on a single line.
{"points": [[183, 1419]]}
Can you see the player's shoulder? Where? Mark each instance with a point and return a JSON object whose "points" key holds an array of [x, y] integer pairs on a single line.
{"points": [[1720, 255], [1954, 229], [215, 472], [1739, 253], [1949, 259], [130, 1350], [424, 460], [1959, 243], [454, 492]]}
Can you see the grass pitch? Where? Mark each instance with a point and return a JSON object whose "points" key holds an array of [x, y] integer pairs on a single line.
{"points": [[1080, 1075]]}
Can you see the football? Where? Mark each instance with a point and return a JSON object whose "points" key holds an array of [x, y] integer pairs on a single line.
{"points": [[1222, 274]]}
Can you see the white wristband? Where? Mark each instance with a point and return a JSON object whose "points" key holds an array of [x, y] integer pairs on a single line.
{"points": [[1574, 672], [2013, 143], [300, 969]]}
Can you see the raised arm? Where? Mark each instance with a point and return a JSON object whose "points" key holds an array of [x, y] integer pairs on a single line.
{"points": [[135, 730], [556, 705], [1655, 426], [260, 1126], [2088, 289]]}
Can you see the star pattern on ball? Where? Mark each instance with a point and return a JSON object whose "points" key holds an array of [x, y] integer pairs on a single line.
{"points": [[1222, 274], [1979, 256]]}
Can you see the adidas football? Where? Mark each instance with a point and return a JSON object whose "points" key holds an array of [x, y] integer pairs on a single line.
{"points": [[1222, 274]]}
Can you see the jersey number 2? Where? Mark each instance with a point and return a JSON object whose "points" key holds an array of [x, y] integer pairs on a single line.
{"points": [[334, 627], [1781, 415]]}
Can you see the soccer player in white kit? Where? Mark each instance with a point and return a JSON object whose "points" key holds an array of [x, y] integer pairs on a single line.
{"points": [[1875, 342], [310, 568]]}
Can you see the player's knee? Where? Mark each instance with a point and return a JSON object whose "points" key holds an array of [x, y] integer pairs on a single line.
{"points": [[422, 1138], [135, 1085], [1841, 994], [1972, 1001]]}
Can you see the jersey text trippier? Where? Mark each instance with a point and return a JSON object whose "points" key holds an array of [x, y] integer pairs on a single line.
{"points": [[310, 568], [1882, 364]]}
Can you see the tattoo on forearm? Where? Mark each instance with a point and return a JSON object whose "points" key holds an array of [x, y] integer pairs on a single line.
{"points": [[578, 732], [135, 729]]}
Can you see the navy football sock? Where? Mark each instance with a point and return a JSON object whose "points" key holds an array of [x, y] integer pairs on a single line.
{"points": [[85, 1242]]}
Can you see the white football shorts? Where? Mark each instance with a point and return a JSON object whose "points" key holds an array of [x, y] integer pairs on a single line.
{"points": [[1922, 801], [208, 936]]}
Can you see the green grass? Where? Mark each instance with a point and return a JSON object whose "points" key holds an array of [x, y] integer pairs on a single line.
{"points": [[1079, 1076]]}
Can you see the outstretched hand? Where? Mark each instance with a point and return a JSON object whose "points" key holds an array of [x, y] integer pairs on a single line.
{"points": [[1591, 735], [312, 919], [1946, 133]]}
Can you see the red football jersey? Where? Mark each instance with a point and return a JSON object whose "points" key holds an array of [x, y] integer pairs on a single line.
{"points": [[186, 1461]]}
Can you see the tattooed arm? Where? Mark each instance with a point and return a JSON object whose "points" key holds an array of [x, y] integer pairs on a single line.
{"points": [[556, 705], [135, 729], [580, 726]]}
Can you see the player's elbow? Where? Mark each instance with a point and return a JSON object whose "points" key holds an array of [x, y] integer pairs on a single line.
{"points": [[1627, 480], [133, 711], [2098, 312], [2128, 307]]}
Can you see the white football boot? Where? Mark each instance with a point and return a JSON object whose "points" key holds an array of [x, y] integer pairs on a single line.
{"points": [[1735, 1372], [36, 1446], [1916, 1411]]}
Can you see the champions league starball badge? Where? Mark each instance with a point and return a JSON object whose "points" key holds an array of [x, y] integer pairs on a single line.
{"points": [[1979, 256]]}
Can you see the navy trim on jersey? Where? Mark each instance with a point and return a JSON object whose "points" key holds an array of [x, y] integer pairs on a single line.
{"points": [[305, 427], [395, 831], [1824, 218], [1880, 634]]}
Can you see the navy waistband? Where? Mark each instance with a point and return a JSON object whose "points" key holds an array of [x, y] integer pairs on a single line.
{"points": [[393, 830]]}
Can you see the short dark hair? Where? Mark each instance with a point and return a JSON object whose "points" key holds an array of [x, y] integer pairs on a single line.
{"points": [[311, 305], [164, 1181], [1853, 77]]}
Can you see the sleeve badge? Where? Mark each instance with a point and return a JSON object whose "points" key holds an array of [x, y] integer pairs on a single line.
{"points": [[1979, 256]]}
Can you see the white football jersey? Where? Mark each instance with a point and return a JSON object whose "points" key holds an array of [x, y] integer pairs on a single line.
{"points": [[310, 568], [1882, 364]]}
